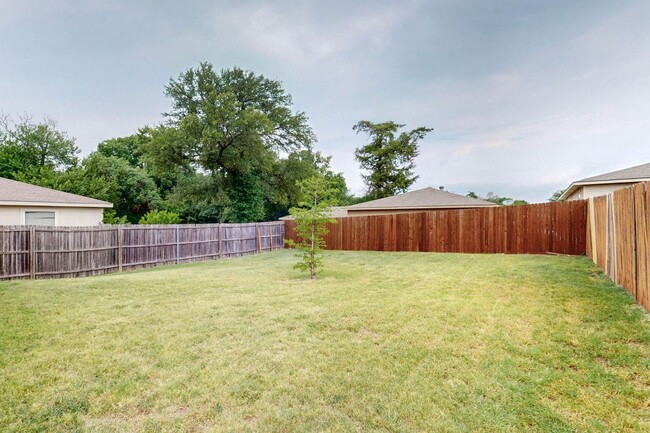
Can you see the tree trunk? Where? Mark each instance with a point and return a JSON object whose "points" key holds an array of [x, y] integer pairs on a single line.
{"points": [[312, 261]]}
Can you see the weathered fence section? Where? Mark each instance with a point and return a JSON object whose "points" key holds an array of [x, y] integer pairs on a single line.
{"points": [[618, 236], [532, 229], [46, 252]]}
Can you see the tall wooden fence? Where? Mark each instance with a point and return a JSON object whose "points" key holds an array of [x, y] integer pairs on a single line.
{"points": [[532, 229], [618, 238], [45, 252]]}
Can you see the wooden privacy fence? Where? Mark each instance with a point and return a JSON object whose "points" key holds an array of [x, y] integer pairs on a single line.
{"points": [[618, 238], [45, 252], [531, 229]]}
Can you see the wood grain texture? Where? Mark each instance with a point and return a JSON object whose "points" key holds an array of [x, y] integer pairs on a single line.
{"points": [[47, 252], [533, 229], [619, 233]]}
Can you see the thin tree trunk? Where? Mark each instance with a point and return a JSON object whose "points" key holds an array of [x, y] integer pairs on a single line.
{"points": [[312, 264]]}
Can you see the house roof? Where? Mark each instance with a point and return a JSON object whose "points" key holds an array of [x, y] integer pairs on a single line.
{"points": [[638, 173], [336, 212], [14, 193], [426, 198]]}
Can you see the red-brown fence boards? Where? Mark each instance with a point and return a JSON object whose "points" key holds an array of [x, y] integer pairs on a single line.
{"points": [[533, 229], [642, 243], [45, 252]]}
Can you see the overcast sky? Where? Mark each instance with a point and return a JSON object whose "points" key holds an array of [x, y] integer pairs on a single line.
{"points": [[524, 96]]}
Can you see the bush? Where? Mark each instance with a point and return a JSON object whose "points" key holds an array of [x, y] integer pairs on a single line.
{"points": [[110, 217], [160, 217]]}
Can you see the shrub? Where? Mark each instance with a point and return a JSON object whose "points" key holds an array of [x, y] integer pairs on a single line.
{"points": [[160, 217]]}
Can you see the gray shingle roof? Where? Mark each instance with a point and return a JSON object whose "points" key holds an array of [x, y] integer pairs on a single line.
{"points": [[638, 172], [20, 192], [335, 212], [426, 198]]}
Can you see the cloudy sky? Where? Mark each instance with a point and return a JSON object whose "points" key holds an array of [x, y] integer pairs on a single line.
{"points": [[524, 96]]}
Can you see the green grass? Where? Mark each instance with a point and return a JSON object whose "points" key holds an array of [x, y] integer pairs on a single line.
{"points": [[382, 342]]}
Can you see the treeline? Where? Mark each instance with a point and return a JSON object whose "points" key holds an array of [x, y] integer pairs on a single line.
{"points": [[231, 149], [497, 199]]}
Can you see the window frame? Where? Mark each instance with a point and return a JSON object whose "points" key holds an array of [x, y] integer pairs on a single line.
{"points": [[25, 211]]}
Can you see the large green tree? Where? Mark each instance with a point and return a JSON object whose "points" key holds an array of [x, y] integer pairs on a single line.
{"points": [[282, 188], [129, 149], [31, 150], [230, 125], [389, 158], [197, 200], [246, 198], [126, 148], [132, 192]]}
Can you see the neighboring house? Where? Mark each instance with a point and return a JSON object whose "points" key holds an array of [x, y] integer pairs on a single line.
{"points": [[417, 201], [25, 204], [336, 212], [606, 183]]}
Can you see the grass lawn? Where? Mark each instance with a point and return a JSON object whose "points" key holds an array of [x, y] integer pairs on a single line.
{"points": [[383, 342]]}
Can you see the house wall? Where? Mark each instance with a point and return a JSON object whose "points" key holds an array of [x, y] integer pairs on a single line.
{"points": [[63, 216], [366, 212], [588, 191]]}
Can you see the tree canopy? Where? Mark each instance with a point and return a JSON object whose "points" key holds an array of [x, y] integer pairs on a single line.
{"points": [[556, 195], [28, 148], [126, 148], [232, 128], [231, 149], [227, 123], [389, 158], [497, 199], [132, 192]]}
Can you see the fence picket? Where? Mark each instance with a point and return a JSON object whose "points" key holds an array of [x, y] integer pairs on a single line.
{"points": [[619, 233], [532, 229], [46, 252]]}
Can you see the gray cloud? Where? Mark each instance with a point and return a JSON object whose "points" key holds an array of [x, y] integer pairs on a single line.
{"points": [[524, 96]]}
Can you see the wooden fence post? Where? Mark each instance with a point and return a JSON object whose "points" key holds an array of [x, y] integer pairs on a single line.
{"points": [[611, 237], [271, 236], [241, 242], [259, 238], [177, 245], [283, 234], [120, 241], [592, 229], [32, 252], [219, 236]]}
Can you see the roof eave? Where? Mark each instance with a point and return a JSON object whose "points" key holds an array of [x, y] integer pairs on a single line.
{"points": [[575, 185], [568, 192], [613, 181], [55, 204], [422, 207]]}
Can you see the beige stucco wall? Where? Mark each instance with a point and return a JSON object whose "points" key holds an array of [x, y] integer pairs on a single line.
{"points": [[63, 216], [588, 191]]}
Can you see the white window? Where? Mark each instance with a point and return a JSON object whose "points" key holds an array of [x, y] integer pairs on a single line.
{"points": [[39, 218]]}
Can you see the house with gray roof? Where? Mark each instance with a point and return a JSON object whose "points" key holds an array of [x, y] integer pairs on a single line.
{"points": [[425, 199], [606, 183], [335, 212], [25, 204]]}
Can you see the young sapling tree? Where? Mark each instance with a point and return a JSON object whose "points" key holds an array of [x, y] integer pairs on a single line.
{"points": [[311, 223]]}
